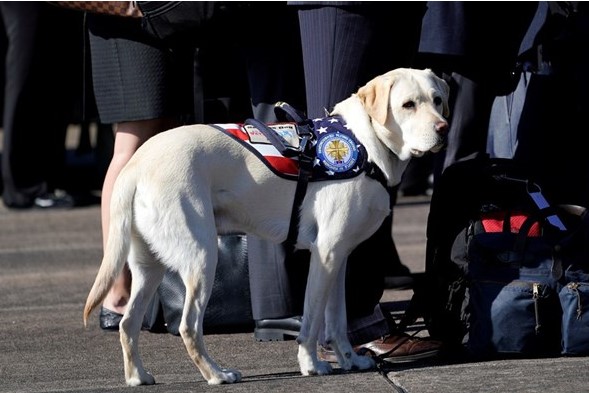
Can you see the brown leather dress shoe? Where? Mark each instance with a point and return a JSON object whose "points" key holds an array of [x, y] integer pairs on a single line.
{"points": [[397, 348]]}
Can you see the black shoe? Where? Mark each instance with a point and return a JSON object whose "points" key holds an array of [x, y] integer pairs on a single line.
{"points": [[55, 200], [398, 282], [278, 329], [398, 277], [109, 320]]}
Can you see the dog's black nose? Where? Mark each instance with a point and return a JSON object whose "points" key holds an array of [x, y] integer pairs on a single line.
{"points": [[442, 128]]}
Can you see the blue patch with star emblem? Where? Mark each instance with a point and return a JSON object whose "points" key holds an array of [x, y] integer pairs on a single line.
{"points": [[338, 153]]}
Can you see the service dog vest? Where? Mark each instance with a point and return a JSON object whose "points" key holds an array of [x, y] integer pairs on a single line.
{"points": [[337, 153]]}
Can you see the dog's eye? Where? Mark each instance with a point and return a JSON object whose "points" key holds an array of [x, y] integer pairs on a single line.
{"points": [[409, 105], [437, 101]]}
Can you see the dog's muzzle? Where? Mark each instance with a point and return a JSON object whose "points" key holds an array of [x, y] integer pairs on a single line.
{"points": [[434, 149], [440, 146], [442, 129]]}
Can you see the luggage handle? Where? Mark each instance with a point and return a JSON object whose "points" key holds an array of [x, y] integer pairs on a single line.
{"points": [[546, 214], [535, 192]]}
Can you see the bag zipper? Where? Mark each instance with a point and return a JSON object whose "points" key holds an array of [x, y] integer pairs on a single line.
{"points": [[536, 296], [574, 287]]}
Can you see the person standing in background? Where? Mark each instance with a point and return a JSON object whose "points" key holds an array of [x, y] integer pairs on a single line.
{"points": [[344, 45], [475, 48], [464, 42], [142, 88], [42, 72]]}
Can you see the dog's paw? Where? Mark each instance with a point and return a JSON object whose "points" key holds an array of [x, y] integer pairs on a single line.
{"points": [[317, 368], [350, 360], [323, 368], [143, 378], [362, 362], [309, 364], [225, 376]]}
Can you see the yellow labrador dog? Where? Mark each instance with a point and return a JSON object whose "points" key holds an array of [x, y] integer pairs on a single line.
{"points": [[186, 186]]}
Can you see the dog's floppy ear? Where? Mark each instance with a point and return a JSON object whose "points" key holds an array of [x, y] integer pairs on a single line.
{"points": [[375, 96]]}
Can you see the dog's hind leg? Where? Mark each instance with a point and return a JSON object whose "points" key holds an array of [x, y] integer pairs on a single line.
{"points": [[185, 240], [198, 278], [147, 274]]}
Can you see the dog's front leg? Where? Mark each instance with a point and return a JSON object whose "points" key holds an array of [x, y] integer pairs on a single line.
{"points": [[336, 332], [322, 274]]}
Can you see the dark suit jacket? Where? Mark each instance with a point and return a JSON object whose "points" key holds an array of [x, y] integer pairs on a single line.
{"points": [[481, 38]]}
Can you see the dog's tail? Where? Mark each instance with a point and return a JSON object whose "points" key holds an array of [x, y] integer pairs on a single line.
{"points": [[118, 244]]}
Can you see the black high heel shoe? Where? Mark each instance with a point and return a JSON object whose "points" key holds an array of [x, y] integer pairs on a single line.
{"points": [[109, 320]]}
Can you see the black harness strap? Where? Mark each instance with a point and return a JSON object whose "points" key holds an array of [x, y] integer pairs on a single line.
{"points": [[376, 173], [305, 154], [285, 112], [306, 158]]}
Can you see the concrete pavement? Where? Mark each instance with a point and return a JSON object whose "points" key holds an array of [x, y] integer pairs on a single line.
{"points": [[48, 260]]}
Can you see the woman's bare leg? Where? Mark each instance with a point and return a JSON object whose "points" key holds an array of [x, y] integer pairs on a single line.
{"points": [[129, 136]]}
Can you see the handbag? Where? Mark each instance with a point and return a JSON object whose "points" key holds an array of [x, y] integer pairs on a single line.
{"points": [[169, 21], [177, 20], [229, 307], [117, 8]]}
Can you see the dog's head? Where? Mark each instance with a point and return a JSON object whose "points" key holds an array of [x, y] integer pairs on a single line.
{"points": [[408, 109]]}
